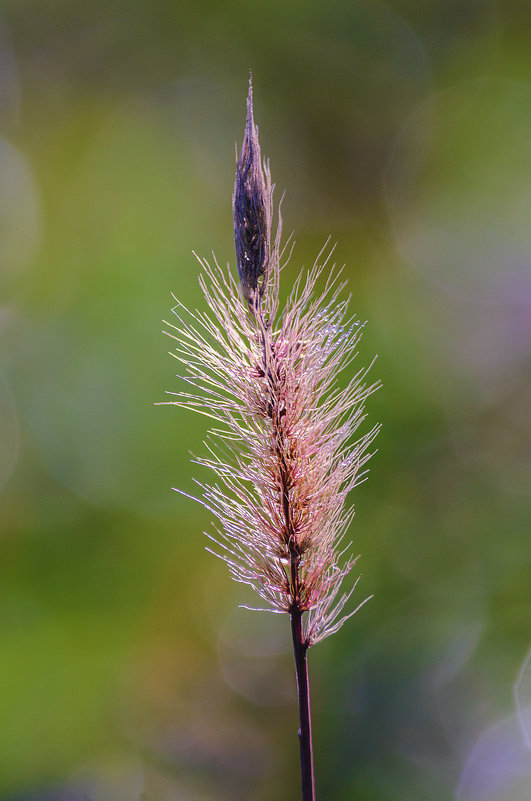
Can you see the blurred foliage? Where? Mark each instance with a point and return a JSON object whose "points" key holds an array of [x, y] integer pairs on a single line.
{"points": [[402, 130]]}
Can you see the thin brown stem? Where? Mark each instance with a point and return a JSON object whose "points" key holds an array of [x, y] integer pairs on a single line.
{"points": [[305, 731]]}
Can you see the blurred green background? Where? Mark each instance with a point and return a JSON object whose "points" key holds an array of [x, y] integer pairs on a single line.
{"points": [[403, 130]]}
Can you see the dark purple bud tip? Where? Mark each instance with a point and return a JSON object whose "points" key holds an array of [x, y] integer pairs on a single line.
{"points": [[252, 209]]}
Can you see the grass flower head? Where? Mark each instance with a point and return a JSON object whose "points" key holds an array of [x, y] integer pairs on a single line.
{"points": [[283, 449]]}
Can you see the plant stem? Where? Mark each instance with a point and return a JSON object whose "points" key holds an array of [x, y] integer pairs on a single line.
{"points": [[305, 731]]}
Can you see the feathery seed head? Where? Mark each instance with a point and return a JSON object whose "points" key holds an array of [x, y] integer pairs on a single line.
{"points": [[284, 453], [252, 210]]}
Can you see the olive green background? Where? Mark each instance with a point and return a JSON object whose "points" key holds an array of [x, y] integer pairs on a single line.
{"points": [[402, 130]]}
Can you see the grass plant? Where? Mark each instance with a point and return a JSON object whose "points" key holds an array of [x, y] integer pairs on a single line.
{"points": [[284, 449]]}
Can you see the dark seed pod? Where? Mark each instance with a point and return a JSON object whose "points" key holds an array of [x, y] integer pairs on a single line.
{"points": [[252, 209]]}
